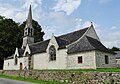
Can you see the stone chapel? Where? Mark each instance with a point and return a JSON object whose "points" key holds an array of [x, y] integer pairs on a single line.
{"points": [[81, 49]]}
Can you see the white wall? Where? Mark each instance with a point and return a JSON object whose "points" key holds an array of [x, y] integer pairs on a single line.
{"points": [[100, 60], [88, 60], [41, 61], [12, 66]]}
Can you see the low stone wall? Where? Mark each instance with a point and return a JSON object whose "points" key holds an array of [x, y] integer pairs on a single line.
{"points": [[69, 77]]}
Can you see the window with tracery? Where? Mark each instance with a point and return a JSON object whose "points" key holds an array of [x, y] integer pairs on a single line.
{"points": [[52, 53]]}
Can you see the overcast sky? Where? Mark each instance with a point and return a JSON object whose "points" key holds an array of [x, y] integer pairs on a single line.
{"points": [[63, 16]]}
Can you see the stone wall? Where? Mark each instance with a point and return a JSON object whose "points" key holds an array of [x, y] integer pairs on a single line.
{"points": [[118, 62], [88, 60], [100, 60], [69, 77]]}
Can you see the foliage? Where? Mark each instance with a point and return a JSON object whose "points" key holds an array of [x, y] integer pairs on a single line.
{"points": [[8, 37], [30, 80], [11, 35], [115, 49]]}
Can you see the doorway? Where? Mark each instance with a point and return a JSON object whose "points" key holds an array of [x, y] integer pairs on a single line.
{"points": [[20, 66]]}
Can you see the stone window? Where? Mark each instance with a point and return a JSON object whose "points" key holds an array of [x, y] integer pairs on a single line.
{"points": [[28, 31], [8, 64], [80, 59], [52, 53], [106, 59], [26, 54], [16, 59], [25, 31]]}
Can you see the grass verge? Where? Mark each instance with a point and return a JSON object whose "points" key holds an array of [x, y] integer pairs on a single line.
{"points": [[29, 80], [87, 70]]}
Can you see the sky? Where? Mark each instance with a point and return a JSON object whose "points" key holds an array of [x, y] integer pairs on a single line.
{"points": [[63, 16]]}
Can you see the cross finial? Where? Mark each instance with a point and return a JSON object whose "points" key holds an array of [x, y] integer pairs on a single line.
{"points": [[91, 24]]}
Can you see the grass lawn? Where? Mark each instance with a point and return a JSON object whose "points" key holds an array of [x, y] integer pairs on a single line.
{"points": [[107, 70], [29, 80], [87, 70]]}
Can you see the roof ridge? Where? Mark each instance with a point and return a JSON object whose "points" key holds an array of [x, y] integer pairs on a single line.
{"points": [[94, 39], [87, 29], [73, 32], [61, 38], [99, 45], [38, 42], [89, 41]]}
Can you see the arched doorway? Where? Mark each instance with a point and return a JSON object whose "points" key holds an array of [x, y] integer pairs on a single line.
{"points": [[21, 67]]}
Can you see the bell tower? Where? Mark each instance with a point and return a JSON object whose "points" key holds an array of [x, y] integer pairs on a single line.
{"points": [[28, 30]]}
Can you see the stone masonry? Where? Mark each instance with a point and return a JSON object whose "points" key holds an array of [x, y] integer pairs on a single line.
{"points": [[69, 77]]}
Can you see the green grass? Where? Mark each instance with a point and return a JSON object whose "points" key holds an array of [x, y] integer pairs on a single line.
{"points": [[29, 80], [87, 70]]}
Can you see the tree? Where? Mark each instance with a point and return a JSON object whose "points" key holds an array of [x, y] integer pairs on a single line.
{"points": [[8, 37], [115, 49], [11, 36]]}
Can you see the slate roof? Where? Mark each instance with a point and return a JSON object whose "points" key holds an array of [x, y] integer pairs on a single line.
{"points": [[20, 51], [39, 47], [117, 55], [62, 41], [72, 37], [9, 57], [85, 44]]}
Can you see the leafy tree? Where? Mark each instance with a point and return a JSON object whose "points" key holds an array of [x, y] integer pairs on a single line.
{"points": [[115, 49], [11, 36], [8, 37]]}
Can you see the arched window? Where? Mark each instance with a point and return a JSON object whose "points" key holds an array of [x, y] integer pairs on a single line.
{"points": [[25, 32], [26, 54], [16, 59], [52, 53], [28, 31]]}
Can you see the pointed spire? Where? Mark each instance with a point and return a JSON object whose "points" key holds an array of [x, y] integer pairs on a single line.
{"points": [[28, 30], [29, 19]]}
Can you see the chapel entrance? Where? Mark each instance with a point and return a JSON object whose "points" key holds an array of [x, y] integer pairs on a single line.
{"points": [[20, 66]]}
